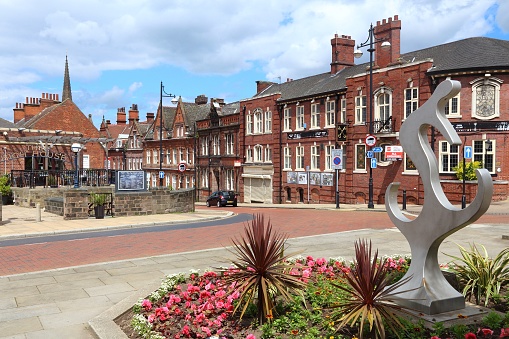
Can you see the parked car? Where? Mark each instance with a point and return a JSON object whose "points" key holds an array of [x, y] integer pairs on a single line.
{"points": [[222, 198]]}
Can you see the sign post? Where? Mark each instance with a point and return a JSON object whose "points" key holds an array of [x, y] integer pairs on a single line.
{"points": [[337, 156]]}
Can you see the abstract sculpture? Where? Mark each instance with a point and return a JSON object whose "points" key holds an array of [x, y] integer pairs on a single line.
{"points": [[427, 290]]}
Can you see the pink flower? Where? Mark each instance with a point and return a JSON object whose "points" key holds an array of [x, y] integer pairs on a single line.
{"points": [[435, 337], [504, 332], [321, 261], [470, 335], [485, 331], [151, 318], [206, 330], [250, 336], [147, 305]]}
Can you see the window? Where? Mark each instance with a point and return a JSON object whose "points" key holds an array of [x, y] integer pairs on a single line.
{"points": [[300, 118], [258, 153], [249, 154], [383, 106], [299, 157], [249, 124], [411, 100], [215, 145], [148, 157], [174, 181], [315, 157], [205, 146], [229, 179], [154, 156], [174, 156], [167, 180], [315, 116], [328, 157], [204, 178], [168, 157], [181, 155], [268, 121], [452, 107], [449, 155], [268, 154], [330, 113], [189, 156], [343, 111], [154, 180], [485, 98], [484, 151], [360, 109], [229, 143], [287, 158], [287, 120], [409, 165], [360, 157], [258, 121]]}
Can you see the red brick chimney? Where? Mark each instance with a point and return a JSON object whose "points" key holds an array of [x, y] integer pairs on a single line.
{"points": [[150, 117], [342, 53], [121, 118], [388, 30], [134, 114], [201, 99], [263, 85]]}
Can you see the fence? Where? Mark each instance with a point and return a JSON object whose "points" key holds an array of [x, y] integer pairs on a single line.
{"points": [[86, 177]]}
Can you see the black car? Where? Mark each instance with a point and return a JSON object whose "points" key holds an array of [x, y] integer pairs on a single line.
{"points": [[222, 198]]}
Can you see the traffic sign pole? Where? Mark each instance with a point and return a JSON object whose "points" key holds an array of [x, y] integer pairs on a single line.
{"points": [[337, 188]]}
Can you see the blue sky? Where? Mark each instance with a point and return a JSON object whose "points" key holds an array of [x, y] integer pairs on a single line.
{"points": [[119, 51]]}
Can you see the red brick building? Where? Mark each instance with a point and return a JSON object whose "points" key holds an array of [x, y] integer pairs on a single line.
{"points": [[289, 130]]}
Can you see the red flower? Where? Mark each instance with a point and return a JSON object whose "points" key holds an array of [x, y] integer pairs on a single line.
{"points": [[486, 331], [435, 337], [504, 332], [470, 335]]}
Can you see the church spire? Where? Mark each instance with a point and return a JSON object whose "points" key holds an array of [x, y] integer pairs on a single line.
{"points": [[66, 93]]}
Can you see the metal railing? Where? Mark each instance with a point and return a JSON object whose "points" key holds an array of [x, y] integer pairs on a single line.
{"points": [[383, 126], [55, 178]]}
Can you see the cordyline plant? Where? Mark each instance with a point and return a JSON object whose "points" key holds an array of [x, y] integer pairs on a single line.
{"points": [[370, 294], [480, 275], [261, 269]]}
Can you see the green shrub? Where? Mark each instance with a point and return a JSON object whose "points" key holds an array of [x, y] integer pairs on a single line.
{"points": [[98, 199], [5, 185], [470, 168], [492, 320]]}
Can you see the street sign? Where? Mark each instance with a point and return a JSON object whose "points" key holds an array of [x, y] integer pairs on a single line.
{"points": [[377, 149], [182, 167], [337, 161], [370, 154], [161, 174], [467, 152], [393, 152], [373, 162], [370, 140]]}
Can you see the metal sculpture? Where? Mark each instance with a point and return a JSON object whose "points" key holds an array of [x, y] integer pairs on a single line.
{"points": [[427, 290]]}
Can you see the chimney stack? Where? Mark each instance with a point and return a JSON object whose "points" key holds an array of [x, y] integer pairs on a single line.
{"points": [[150, 117], [342, 53], [263, 85], [134, 114], [201, 99], [121, 118], [389, 30]]}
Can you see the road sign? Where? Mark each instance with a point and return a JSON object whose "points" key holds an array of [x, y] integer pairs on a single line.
{"points": [[161, 174], [370, 140], [337, 161], [393, 152], [373, 162], [370, 154], [467, 152], [182, 167], [377, 149]]}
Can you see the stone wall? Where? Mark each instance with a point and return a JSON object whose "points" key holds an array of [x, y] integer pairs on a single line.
{"points": [[155, 201], [55, 205]]}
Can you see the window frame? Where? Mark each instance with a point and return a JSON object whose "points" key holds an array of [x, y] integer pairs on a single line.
{"points": [[299, 158], [360, 158], [330, 113], [411, 102], [360, 109], [481, 156], [287, 158], [299, 118], [257, 121], [315, 116], [315, 157], [449, 110], [287, 119], [268, 122], [451, 152]]}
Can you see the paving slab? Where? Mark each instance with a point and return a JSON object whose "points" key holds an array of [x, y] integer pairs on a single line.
{"points": [[20, 326], [52, 297]]}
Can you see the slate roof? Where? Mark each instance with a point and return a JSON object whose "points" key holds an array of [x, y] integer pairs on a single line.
{"points": [[6, 124], [470, 53]]}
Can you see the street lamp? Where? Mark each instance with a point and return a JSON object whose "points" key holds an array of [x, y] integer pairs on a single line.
{"points": [[161, 95], [122, 149], [358, 53], [76, 148]]}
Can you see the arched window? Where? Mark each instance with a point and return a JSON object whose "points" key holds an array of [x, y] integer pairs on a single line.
{"points": [[486, 98]]}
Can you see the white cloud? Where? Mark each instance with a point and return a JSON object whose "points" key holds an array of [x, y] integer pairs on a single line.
{"points": [[135, 86], [503, 15]]}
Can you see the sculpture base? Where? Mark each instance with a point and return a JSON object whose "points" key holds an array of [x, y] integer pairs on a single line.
{"points": [[432, 307]]}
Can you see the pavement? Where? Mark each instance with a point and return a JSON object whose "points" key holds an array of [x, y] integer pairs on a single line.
{"points": [[82, 301]]}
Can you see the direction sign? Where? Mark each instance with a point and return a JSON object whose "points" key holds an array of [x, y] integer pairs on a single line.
{"points": [[370, 154], [393, 152], [161, 174], [370, 140], [467, 152], [182, 167], [373, 162], [337, 162], [377, 149]]}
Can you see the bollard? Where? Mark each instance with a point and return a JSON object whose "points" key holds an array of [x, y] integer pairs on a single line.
{"points": [[404, 200], [38, 212]]}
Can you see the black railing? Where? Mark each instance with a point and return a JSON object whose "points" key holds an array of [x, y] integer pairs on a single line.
{"points": [[86, 177], [383, 126]]}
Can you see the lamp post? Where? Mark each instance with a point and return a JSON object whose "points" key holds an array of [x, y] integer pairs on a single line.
{"points": [[122, 149], [358, 53], [76, 148], [161, 95]]}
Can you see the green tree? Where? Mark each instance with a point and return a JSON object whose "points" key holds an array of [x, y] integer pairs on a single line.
{"points": [[470, 168]]}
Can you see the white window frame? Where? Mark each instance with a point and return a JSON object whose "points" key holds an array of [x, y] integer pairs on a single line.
{"points": [[268, 121], [287, 120], [330, 113], [315, 116], [299, 158], [229, 140], [249, 154], [258, 121], [406, 169], [229, 179], [287, 154], [268, 154], [149, 152], [449, 157], [174, 156], [360, 109], [215, 145], [315, 157], [383, 105], [452, 107], [328, 157], [484, 153], [411, 96], [258, 153], [299, 118], [249, 124], [480, 82], [343, 111], [155, 156]]}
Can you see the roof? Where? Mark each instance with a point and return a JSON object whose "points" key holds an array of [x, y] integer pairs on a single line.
{"points": [[470, 53], [6, 123]]}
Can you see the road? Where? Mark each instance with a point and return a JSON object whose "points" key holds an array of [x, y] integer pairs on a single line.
{"points": [[51, 253]]}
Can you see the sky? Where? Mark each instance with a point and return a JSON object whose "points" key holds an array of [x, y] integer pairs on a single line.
{"points": [[120, 51]]}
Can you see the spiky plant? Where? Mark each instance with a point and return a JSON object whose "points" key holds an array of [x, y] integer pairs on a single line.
{"points": [[261, 268], [370, 294], [480, 275]]}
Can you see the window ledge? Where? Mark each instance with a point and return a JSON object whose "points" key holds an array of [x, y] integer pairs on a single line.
{"points": [[410, 173], [360, 171]]}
